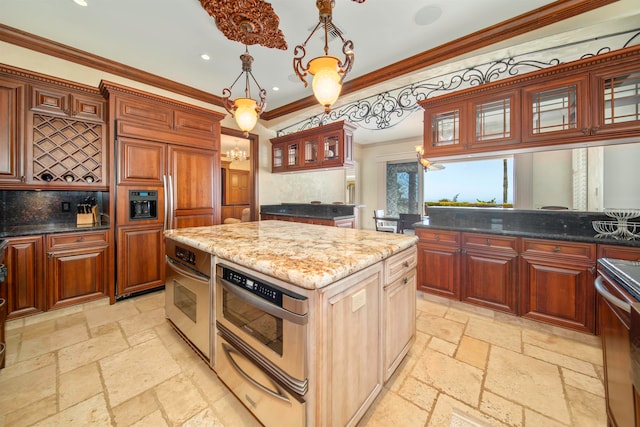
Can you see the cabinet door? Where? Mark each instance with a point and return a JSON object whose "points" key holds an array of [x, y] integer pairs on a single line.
{"points": [[558, 292], [616, 92], [555, 109], [438, 270], [76, 276], [200, 126], [237, 187], [87, 108], [444, 130], [399, 320], [49, 100], [140, 259], [614, 327], [311, 152], [25, 278], [489, 268], [277, 158], [11, 132], [141, 162], [331, 148], [293, 155], [495, 120], [196, 184]]}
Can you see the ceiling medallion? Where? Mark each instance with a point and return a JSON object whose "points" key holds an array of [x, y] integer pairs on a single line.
{"points": [[247, 21]]}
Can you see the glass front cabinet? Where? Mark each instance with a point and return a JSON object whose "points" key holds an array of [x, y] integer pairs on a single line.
{"points": [[321, 147]]}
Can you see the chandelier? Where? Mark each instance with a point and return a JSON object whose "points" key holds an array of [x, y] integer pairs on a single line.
{"points": [[237, 154], [245, 110], [328, 71]]}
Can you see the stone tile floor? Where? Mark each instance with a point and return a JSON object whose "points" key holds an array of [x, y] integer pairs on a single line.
{"points": [[99, 364]]}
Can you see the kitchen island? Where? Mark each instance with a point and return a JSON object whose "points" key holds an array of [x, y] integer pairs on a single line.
{"points": [[359, 287]]}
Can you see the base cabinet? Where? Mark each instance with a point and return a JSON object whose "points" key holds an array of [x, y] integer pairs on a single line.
{"points": [[25, 276], [77, 269], [344, 223], [490, 271], [438, 262], [136, 243], [557, 283]]}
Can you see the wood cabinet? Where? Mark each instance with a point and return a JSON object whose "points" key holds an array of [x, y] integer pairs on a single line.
{"points": [[351, 364], [325, 146], [77, 268], [619, 252], [140, 258], [25, 276], [593, 99], [439, 262], [557, 283], [614, 325], [342, 222], [399, 308], [12, 160], [57, 101], [490, 271]]}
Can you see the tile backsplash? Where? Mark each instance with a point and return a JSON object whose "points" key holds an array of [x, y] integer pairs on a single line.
{"points": [[18, 207]]}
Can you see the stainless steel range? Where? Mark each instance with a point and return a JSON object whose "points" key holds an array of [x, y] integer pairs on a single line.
{"points": [[189, 295], [261, 345]]}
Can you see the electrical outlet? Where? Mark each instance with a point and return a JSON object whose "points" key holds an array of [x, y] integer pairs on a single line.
{"points": [[66, 206]]}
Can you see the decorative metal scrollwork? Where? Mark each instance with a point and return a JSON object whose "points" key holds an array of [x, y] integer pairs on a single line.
{"points": [[388, 109]]}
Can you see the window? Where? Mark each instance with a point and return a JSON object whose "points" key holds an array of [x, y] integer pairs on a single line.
{"points": [[471, 181], [403, 188]]}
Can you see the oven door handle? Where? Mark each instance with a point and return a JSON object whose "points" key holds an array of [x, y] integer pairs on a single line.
{"points": [[186, 273], [277, 394], [626, 307], [262, 304]]}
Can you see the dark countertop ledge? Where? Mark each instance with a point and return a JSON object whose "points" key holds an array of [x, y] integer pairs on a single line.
{"points": [[53, 228], [534, 235]]}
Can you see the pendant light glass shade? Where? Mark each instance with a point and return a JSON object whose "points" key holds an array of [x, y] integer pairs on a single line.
{"points": [[327, 82], [246, 114]]}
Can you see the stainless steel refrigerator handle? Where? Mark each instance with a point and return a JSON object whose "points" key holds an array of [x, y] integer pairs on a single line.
{"points": [[611, 298], [166, 196], [171, 200]]}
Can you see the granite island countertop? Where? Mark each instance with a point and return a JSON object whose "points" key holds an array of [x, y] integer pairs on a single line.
{"points": [[306, 255]]}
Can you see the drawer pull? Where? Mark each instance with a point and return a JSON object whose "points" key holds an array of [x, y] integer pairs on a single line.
{"points": [[80, 239], [556, 249], [488, 242], [405, 264], [405, 281], [436, 237]]}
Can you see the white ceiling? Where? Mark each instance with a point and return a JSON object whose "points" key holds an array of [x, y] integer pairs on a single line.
{"points": [[167, 37]]}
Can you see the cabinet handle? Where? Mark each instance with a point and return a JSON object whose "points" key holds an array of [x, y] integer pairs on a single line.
{"points": [[556, 249], [22, 179], [586, 131], [592, 269], [49, 255], [405, 281], [80, 239], [437, 238], [405, 264], [595, 130], [488, 242]]}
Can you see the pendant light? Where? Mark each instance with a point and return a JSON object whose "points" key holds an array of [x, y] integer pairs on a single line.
{"points": [[328, 71], [245, 110]]}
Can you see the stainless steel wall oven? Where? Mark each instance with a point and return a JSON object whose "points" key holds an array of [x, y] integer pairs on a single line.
{"points": [[261, 345], [189, 295]]}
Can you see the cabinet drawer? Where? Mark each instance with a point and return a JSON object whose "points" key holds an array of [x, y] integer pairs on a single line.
{"points": [[581, 251], [619, 252], [489, 242], [71, 240], [449, 238], [145, 112], [400, 264], [49, 101]]}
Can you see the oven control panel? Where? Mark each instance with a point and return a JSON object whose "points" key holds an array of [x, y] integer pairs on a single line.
{"points": [[267, 292], [185, 255]]}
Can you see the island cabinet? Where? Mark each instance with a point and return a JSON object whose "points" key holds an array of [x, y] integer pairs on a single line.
{"points": [[350, 371], [77, 267], [557, 283], [439, 262], [593, 99], [341, 222], [489, 268], [399, 307], [322, 147]]}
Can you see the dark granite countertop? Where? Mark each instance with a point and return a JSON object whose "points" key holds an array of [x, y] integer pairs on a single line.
{"points": [[625, 273], [310, 210], [52, 228]]}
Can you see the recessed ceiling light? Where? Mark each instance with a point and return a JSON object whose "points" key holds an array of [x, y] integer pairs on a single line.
{"points": [[205, 57], [80, 2], [427, 15], [275, 88]]}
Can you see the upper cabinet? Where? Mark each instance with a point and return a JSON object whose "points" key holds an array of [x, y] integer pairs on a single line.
{"points": [[321, 147], [53, 133], [594, 99]]}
